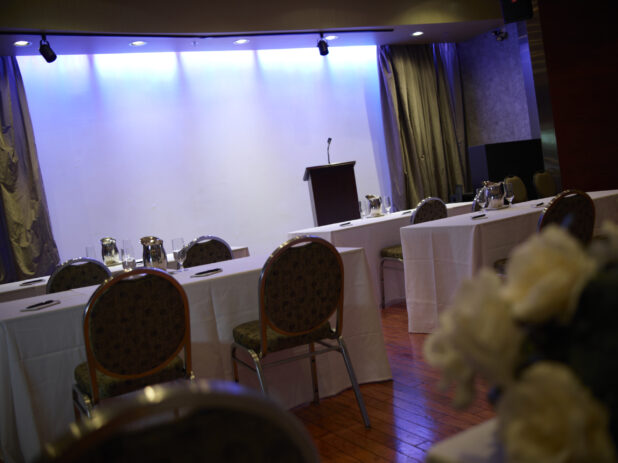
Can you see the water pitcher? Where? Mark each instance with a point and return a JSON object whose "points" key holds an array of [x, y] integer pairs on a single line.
{"points": [[375, 205], [109, 251], [154, 253]]}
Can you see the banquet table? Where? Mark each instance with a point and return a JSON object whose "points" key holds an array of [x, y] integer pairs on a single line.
{"points": [[440, 254], [36, 286], [39, 350], [373, 234]]}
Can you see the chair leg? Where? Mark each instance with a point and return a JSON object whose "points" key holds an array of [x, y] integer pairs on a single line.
{"points": [[314, 375], [234, 364], [357, 393], [259, 371], [382, 297]]}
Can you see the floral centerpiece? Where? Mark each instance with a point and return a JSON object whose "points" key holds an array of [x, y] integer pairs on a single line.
{"points": [[545, 338]]}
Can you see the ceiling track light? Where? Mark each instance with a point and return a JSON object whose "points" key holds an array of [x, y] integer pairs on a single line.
{"points": [[322, 45], [46, 51]]}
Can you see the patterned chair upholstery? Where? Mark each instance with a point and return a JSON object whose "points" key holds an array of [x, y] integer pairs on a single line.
{"points": [[135, 326], [428, 209], [573, 210], [215, 421], [519, 188], [206, 250], [301, 287], [76, 273], [544, 184]]}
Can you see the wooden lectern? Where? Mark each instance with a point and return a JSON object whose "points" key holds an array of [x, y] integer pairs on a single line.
{"points": [[333, 192]]}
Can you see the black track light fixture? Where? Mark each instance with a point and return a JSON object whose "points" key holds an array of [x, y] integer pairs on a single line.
{"points": [[322, 45], [46, 51]]}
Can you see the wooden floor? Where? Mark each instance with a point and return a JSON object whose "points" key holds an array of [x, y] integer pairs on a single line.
{"points": [[408, 414]]}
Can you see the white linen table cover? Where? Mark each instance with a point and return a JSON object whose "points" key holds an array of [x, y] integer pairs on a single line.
{"points": [[15, 290], [39, 350], [373, 234], [477, 444], [440, 254]]}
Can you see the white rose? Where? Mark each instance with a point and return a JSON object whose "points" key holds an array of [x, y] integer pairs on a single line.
{"points": [[477, 334], [548, 416], [545, 276]]}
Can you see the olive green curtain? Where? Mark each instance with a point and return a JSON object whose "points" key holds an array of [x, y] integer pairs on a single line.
{"points": [[27, 245], [423, 121]]}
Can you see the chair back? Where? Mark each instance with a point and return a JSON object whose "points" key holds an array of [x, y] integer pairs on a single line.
{"points": [[187, 421], [519, 188], [544, 184], [573, 210], [76, 273], [429, 209], [207, 250], [135, 325], [301, 286]]}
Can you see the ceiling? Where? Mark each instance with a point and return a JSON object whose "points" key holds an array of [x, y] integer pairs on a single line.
{"points": [[71, 43]]}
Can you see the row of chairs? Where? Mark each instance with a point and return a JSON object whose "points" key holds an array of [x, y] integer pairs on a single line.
{"points": [[543, 182], [572, 209], [137, 325], [83, 271]]}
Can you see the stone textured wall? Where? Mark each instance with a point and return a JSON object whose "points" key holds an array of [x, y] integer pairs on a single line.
{"points": [[494, 92]]}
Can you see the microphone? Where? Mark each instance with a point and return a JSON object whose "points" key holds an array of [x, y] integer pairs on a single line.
{"points": [[328, 148]]}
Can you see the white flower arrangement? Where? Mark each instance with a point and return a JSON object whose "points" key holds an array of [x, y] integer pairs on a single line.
{"points": [[545, 338]]}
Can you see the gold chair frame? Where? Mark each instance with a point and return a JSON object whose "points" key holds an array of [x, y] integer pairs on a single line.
{"points": [[413, 220], [74, 262], [257, 357], [82, 404]]}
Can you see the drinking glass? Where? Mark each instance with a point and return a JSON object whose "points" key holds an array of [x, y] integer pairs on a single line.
{"points": [[362, 210], [180, 255], [90, 252], [128, 256], [509, 193], [481, 198], [387, 204]]}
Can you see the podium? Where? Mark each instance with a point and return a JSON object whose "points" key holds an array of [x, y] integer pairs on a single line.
{"points": [[333, 192]]}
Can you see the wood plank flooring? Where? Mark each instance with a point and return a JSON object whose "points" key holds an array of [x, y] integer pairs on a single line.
{"points": [[408, 414]]}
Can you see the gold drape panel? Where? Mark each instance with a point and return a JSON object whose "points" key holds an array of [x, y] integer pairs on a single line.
{"points": [[423, 120], [28, 247]]}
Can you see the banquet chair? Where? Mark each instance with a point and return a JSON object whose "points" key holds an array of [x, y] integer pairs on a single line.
{"points": [[134, 327], [573, 210], [217, 421], [206, 250], [76, 273], [300, 288], [519, 188], [428, 209], [544, 184]]}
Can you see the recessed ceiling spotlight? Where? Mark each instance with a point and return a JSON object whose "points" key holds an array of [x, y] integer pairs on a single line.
{"points": [[241, 41], [22, 43], [138, 43], [417, 33], [331, 37]]}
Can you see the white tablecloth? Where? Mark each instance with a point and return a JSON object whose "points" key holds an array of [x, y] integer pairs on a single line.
{"points": [[15, 290], [39, 350], [439, 255], [373, 234], [478, 444]]}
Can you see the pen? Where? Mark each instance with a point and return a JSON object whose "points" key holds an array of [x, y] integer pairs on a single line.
{"points": [[40, 304], [478, 216], [345, 223]]}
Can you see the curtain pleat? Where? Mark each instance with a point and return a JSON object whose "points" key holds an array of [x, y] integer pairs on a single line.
{"points": [[28, 247], [420, 89]]}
